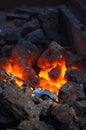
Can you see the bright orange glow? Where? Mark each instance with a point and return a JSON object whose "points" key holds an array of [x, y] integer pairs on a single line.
{"points": [[18, 82], [15, 70], [75, 67], [47, 83], [31, 89]]}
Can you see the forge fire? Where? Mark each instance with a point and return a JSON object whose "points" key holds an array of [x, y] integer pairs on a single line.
{"points": [[42, 75], [52, 64]]}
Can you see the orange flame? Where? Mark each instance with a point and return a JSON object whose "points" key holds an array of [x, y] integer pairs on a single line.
{"points": [[47, 83], [15, 70]]}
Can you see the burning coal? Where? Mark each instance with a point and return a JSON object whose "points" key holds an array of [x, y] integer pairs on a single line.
{"points": [[52, 63]]}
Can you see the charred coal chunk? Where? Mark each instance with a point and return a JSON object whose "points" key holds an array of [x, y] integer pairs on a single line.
{"points": [[30, 27], [1, 90], [29, 10], [49, 21], [2, 85], [33, 24], [80, 79], [71, 91], [2, 35], [19, 23], [24, 9], [25, 50], [33, 79], [66, 115], [5, 122], [81, 106], [6, 50], [75, 59], [80, 92], [42, 44], [35, 35], [34, 125], [53, 53], [10, 32], [13, 35], [46, 106], [20, 103], [3, 60], [67, 92], [83, 122], [12, 16], [4, 28], [84, 85], [2, 43], [61, 112], [54, 73], [76, 76]]}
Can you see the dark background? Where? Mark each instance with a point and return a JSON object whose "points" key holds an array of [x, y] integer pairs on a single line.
{"points": [[6, 4]]}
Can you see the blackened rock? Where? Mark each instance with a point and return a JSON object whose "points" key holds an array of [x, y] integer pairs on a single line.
{"points": [[2, 35], [35, 35], [46, 107], [76, 76], [84, 85], [80, 108], [12, 16], [6, 27], [29, 10], [75, 59], [83, 122], [3, 60], [24, 9], [53, 53], [67, 92], [61, 112], [2, 83], [5, 122], [6, 50], [34, 125], [30, 26], [74, 115], [36, 99], [1, 90], [2, 42], [20, 104], [82, 105], [51, 34], [25, 50], [50, 23], [66, 115], [13, 35], [19, 23], [33, 24], [54, 73], [80, 92], [42, 44]]}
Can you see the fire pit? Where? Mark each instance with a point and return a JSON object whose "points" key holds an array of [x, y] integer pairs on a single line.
{"points": [[42, 73]]}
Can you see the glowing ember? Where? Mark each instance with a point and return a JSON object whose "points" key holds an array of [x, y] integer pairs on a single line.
{"points": [[15, 69], [47, 83]]}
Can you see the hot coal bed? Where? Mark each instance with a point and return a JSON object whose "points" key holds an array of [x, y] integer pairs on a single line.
{"points": [[42, 77]]}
